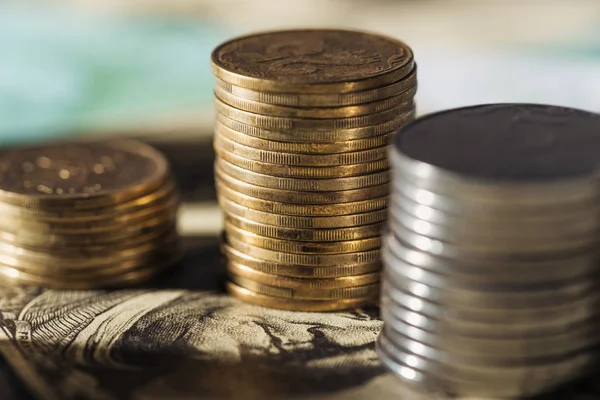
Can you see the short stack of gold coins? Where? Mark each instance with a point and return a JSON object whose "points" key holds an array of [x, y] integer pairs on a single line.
{"points": [[86, 215], [303, 120]]}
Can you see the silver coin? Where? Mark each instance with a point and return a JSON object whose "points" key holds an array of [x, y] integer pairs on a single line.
{"points": [[478, 280], [515, 316], [536, 298], [505, 144], [537, 205], [568, 266], [570, 219], [536, 240], [431, 178], [517, 350], [579, 320], [487, 252], [420, 370]]}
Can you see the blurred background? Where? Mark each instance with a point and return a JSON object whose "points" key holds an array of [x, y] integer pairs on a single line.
{"points": [[141, 67]]}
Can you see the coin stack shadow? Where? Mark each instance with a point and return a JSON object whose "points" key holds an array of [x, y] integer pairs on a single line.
{"points": [[490, 281], [86, 215], [302, 173]]}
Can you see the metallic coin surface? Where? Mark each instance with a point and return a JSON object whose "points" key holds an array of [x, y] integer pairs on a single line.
{"points": [[320, 136], [315, 210], [312, 61], [304, 172], [283, 303], [304, 292], [292, 221], [294, 283], [299, 271], [528, 142], [315, 112], [300, 147], [363, 257], [292, 246], [323, 100], [80, 175], [288, 196], [303, 185]]}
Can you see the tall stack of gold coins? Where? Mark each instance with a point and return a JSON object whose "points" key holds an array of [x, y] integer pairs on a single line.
{"points": [[86, 215], [491, 262], [303, 121]]}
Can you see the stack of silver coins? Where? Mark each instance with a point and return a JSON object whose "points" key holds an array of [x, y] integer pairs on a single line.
{"points": [[490, 282]]}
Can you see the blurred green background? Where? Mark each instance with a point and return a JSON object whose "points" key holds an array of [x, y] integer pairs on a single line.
{"points": [[140, 67]]}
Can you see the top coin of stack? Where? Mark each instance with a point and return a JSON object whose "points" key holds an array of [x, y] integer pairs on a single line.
{"points": [[491, 262], [303, 121], [86, 215]]}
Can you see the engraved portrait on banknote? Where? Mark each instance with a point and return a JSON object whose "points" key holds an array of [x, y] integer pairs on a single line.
{"points": [[179, 344]]}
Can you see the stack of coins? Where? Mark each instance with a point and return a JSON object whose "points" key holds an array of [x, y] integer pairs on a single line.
{"points": [[302, 175], [86, 215], [490, 282]]}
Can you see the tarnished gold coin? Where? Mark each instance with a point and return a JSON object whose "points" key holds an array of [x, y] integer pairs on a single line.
{"points": [[299, 283], [297, 304], [313, 136], [303, 185], [323, 100], [292, 171], [286, 196], [301, 147], [159, 196], [292, 221], [299, 271], [309, 235], [289, 246], [47, 240], [316, 112], [273, 157], [167, 209], [322, 260], [370, 290], [311, 124], [80, 176], [312, 61], [78, 262], [89, 280], [326, 210]]}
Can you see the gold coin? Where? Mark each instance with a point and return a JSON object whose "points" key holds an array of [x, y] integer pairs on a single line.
{"points": [[357, 207], [323, 100], [89, 281], [323, 260], [94, 214], [292, 171], [308, 124], [371, 290], [33, 239], [301, 147], [299, 271], [80, 175], [292, 221], [294, 283], [25, 259], [68, 226], [307, 235], [274, 157], [303, 185], [286, 196], [315, 112], [312, 61], [282, 303], [288, 246], [313, 136]]}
